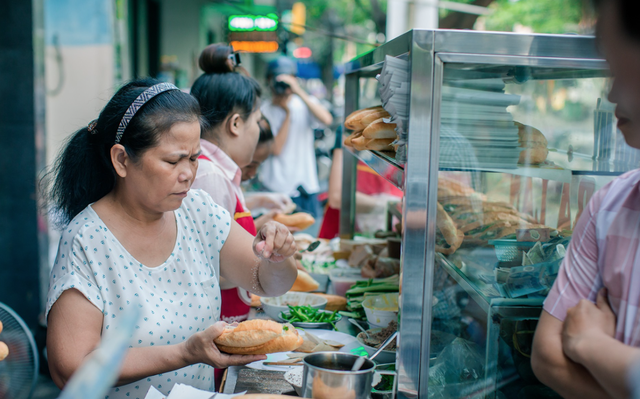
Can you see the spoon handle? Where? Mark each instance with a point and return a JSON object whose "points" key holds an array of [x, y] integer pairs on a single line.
{"points": [[384, 345]]}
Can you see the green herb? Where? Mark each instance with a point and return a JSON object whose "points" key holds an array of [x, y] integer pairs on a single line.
{"points": [[307, 314], [285, 328]]}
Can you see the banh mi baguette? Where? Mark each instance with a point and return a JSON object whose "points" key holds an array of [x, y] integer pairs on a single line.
{"points": [[446, 226], [359, 143], [448, 249], [378, 129], [300, 220], [334, 302], [354, 120], [370, 117], [530, 137], [258, 337], [489, 218], [534, 145], [533, 156], [448, 188], [354, 135], [304, 283], [379, 144], [466, 216]]}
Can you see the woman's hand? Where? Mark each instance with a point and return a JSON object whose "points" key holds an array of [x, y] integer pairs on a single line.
{"points": [[274, 242], [585, 324], [277, 201], [200, 348]]}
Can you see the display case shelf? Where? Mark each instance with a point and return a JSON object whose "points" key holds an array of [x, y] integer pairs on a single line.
{"points": [[464, 90], [386, 166], [481, 296]]}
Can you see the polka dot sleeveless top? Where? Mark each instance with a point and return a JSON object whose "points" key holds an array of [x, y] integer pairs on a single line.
{"points": [[176, 299]]}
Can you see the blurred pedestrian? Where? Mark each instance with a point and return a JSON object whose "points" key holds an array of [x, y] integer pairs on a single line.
{"points": [[292, 114]]}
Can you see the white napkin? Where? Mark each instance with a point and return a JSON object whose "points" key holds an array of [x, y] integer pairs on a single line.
{"points": [[182, 391]]}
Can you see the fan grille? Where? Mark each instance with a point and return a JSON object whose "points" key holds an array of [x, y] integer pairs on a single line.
{"points": [[19, 371]]}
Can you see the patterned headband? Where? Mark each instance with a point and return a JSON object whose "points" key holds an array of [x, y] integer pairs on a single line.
{"points": [[138, 103]]}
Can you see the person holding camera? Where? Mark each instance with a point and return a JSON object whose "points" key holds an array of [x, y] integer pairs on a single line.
{"points": [[292, 114]]}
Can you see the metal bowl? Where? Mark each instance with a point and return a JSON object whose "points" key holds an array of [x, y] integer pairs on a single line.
{"points": [[324, 325], [273, 306], [328, 375], [384, 356]]}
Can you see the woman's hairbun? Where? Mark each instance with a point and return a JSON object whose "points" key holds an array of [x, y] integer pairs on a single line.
{"points": [[215, 58]]}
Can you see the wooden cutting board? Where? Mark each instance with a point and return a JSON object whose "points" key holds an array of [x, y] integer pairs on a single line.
{"points": [[263, 381]]}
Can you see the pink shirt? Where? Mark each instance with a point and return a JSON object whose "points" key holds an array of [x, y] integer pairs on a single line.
{"points": [[605, 252], [220, 178]]}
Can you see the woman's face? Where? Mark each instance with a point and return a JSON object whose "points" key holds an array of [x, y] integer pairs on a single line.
{"points": [[162, 176], [249, 133], [623, 55], [262, 152]]}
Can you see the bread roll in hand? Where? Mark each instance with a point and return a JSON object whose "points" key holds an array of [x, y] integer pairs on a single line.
{"points": [[258, 337], [300, 220]]}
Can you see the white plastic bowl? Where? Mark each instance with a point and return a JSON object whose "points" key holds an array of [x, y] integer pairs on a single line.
{"points": [[381, 309], [273, 306]]}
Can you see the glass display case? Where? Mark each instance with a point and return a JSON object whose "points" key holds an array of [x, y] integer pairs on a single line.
{"points": [[502, 139]]}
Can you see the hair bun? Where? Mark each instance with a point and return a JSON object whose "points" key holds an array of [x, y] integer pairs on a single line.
{"points": [[215, 59]]}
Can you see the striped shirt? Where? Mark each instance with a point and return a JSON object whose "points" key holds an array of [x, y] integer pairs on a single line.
{"points": [[605, 252]]}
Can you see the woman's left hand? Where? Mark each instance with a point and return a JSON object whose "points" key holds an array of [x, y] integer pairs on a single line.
{"points": [[274, 242]]}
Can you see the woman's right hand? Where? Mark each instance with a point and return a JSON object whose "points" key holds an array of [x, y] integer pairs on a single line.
{"points": [[200, 348]]}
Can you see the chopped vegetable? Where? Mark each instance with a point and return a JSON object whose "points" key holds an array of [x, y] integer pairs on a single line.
{"points": [[307, 314]]}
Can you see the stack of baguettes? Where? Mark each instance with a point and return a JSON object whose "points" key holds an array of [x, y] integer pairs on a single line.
{"points": [[371, 130], [463, 212]]}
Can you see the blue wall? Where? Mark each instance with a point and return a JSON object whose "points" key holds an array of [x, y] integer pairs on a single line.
{"points": [[79, 22]]}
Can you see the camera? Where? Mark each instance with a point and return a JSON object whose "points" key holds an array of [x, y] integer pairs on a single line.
{"points": [[235, 59], [279, 88]]}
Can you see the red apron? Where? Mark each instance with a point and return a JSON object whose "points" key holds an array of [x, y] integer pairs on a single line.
{"points": [[367, 182]]}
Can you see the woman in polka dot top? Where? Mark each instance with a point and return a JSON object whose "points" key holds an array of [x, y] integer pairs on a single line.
{"points": [[135, 235]]}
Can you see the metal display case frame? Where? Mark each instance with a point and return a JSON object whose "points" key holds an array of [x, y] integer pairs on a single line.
{"points": [[428, 51]]}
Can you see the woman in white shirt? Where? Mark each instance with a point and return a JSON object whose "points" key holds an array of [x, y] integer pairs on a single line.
{"points": [[136, 236]]}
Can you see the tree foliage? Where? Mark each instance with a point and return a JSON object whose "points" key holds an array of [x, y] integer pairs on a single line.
{"points": [[543, 16]]}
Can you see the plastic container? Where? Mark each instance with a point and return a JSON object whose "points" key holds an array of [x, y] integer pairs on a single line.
{"points": [[381, 309], [343, 279]]}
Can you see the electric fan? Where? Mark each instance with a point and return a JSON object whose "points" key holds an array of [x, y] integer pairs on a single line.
{"points": [[19, 371]]}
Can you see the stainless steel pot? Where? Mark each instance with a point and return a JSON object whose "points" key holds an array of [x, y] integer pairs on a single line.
{"points": [[328, 375]]}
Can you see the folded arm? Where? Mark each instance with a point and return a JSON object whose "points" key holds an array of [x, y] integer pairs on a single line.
{"points": [[554, 369]]}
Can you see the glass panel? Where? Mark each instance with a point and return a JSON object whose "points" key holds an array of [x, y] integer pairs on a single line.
{"points": [[522, 150]]}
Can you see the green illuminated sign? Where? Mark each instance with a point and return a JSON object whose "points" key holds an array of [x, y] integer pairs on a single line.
{"points": [[253, 23]]}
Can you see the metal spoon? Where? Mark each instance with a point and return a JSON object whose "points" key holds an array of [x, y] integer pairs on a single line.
{"points": [[384, 345], [355, 323], [358, 363]]}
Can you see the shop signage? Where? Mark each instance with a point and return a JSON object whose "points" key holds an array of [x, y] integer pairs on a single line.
{"points": [[253, 23]]}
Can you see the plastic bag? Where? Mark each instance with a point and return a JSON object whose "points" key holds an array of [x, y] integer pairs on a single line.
{"points": [[458, 371]]}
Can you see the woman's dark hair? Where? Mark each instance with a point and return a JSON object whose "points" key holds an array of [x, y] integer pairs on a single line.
{"points": [[215, 58], [627, 15], [266, 134], [83, 172], [221, 92]]}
